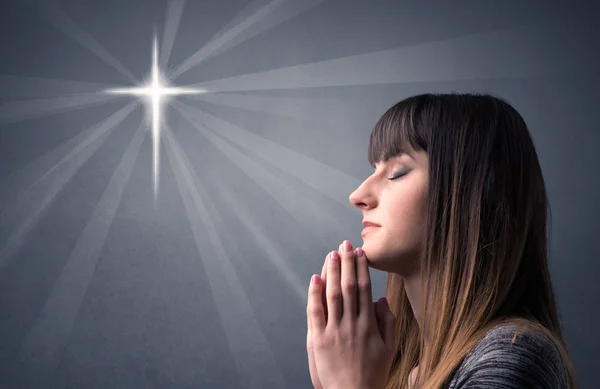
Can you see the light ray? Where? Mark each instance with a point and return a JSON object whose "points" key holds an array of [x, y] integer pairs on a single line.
{"points": [[156, 96], [275, 253], [278, 13], [21, 87], [331, 182], [299, 108], [15, 184], [306, 213], [256, 23], [173, 18], [157, 92], [17, 111], [512, 53], [216, 43], [33, 202], [51, 330], [273, 250], [65, 24], [243, 331]]}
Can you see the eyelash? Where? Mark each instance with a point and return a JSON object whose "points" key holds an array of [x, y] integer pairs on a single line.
{"points": [[397, 175]]}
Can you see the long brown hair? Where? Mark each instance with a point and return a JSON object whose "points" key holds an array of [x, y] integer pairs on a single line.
{"points": [[484, 257]]}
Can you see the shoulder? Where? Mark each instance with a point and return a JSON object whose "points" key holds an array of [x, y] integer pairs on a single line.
{"points": [[510, 357]]}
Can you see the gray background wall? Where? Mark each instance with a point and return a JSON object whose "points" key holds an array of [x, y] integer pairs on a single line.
{"points": [[102, 285]]}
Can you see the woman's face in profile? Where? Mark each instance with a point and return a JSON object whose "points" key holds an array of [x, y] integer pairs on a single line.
{"points": [[395, 198]]}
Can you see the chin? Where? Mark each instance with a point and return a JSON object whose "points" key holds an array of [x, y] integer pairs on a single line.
{"points": [[377, 258], [385, 260]]}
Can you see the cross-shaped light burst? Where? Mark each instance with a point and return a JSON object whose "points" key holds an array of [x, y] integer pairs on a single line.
{"points": [[156, 90]]}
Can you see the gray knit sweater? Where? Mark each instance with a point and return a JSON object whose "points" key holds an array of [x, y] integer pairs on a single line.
{"points": [[532, 361]]}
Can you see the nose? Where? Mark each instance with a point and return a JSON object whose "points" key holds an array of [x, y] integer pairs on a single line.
{"points": [[362, 197]]}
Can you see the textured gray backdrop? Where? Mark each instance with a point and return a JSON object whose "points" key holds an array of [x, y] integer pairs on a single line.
{"points": [[104, 285]]}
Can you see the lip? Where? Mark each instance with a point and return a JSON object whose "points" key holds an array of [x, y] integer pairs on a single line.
{"points": [[367, 223], [368, 229]]}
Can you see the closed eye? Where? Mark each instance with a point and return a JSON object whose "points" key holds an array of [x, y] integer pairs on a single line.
{"points": [[398, 175]]}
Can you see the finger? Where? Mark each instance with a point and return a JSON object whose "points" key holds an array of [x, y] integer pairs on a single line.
{"points": [[334, 293], [312, 367], [348, 281], [308, 315], [308, 332], [380, 327], [388, 321], [315, 306], [324, 284], [365, 295]]}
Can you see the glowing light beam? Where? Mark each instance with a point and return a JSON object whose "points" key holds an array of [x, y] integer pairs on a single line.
{"points": [[157, 92]]}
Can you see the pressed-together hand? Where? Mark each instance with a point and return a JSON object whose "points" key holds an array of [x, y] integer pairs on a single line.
{"points": [[350, 340]]}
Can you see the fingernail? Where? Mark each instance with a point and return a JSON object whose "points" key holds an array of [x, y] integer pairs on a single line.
{"points": [[347, 245], [359, 252], [335, 257], [314, 280]]}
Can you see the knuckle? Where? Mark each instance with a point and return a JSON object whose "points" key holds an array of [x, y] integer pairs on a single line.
{"points": [[364, 286], [320, 342], [349, 285], [334, 293], [363, 326], [313, 310]]}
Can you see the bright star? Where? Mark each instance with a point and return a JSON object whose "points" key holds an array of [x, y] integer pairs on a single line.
{"points": [[157, 91]]}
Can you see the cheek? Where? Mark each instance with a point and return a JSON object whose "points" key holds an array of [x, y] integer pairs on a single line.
{"points": [[402, 233], [405, 219]]}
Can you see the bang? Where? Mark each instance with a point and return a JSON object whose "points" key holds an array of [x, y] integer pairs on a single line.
{"points": [[402, 128]]}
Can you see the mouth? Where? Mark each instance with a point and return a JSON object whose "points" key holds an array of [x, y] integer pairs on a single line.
{"points": [[368, 229], [367, 223]]}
